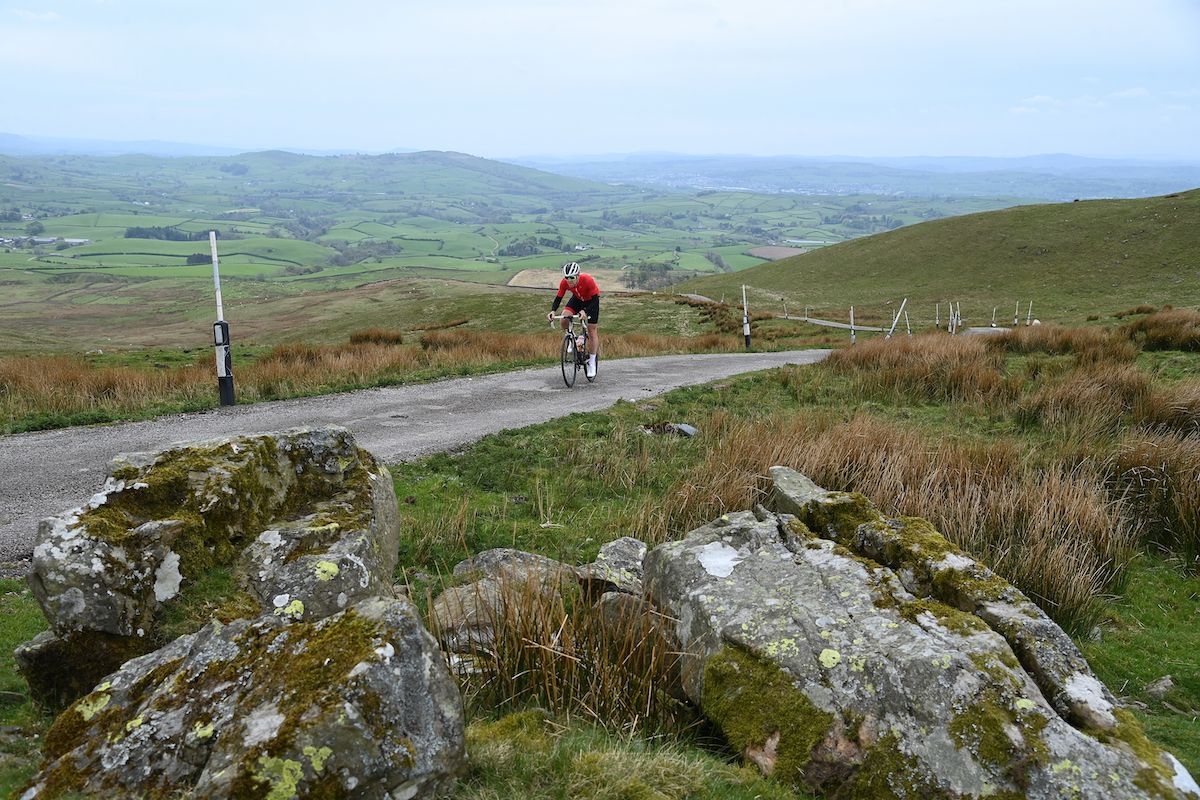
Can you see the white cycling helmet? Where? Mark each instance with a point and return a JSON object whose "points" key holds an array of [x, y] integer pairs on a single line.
{"points": [[570, 270]]}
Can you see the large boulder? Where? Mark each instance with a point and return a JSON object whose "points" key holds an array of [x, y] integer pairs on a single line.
{"points": [[305, 519], [838, 672], [359, 704]]}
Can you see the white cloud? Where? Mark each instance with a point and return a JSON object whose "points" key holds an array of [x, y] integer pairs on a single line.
{"points": [[36, 16], [1125, 94]]}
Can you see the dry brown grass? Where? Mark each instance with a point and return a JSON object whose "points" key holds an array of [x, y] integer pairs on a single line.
{"points": [[551, 648], [1090, 401], [65, 387], [1169, 329], [931, 367], [1172, 408], [1089, 345], [1052, 530], [1161, 472], [377, 336]]}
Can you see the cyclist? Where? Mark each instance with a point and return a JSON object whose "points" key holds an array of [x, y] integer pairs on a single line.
{"points": [[585, 297]]}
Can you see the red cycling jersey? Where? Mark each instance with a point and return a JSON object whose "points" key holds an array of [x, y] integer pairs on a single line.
{"points": [[585, 288]]}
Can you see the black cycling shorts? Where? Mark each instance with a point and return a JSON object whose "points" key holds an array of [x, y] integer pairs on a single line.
{"points": [[591, 308]]}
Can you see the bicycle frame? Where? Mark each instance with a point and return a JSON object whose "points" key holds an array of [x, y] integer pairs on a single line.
{"points": [[576, 345]]}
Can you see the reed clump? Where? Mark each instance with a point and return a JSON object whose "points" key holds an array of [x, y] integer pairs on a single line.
{"points": [[930, 367], [611, 665], [377, 336], [1160, 472], [1089, 345], [1169, 329]]}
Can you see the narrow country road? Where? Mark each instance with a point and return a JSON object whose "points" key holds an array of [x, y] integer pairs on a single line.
{"points": [[52, 471]]}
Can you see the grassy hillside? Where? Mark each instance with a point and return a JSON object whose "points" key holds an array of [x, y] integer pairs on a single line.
{"points": [[1072, 260]]}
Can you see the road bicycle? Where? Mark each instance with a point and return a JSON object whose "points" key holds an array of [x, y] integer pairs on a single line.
{"points": [[576, 345]]}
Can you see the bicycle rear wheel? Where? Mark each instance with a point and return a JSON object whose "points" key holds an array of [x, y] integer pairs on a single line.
{"points": [[568, 360]]}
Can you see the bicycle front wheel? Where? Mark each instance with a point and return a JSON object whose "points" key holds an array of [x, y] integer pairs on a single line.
{"points": [[568, 360]]}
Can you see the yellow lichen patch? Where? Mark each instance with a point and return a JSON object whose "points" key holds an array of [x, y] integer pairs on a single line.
{"points": [[92, 705], [1025, 704], [283, 774], [325, 570], [294, 610], [317, 757], [202, 731], [134, 724], [830, 658]]}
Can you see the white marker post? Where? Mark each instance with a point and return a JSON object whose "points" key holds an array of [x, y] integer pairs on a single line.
{"points": [[745, 317], [937, 316], [896, 321], [906, 325], [221, 334], [853, 339], [993, 316], [1017, 314], [1029, 317]]}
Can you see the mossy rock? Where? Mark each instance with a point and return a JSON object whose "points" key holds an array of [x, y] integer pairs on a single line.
{"points": [[109, 573]]}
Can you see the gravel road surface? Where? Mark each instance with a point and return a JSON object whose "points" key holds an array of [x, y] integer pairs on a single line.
{"points": [[51, 471]]}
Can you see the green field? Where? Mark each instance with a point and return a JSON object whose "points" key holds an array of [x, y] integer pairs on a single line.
{"points": [[285, 216]]}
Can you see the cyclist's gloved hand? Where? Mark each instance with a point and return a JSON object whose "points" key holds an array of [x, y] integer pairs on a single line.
{"points": [[550, 316]]}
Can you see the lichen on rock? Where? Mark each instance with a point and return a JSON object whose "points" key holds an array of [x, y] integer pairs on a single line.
{"points": [[352, 705], [275, 506], [823, 641]]}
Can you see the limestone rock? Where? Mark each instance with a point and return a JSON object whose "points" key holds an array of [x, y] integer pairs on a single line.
{"points": [[359, 704], [929, 566], [617, 568], [314, 505], [823, 666], [516, 565]]}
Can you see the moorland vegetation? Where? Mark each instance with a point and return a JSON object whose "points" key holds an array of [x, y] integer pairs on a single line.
{"points": [[1064, 457]]}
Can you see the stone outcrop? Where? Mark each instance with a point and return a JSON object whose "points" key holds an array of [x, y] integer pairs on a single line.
{"points": [[314, 680], [305, 519], [861, 656], [359, 704], [617, 568]]}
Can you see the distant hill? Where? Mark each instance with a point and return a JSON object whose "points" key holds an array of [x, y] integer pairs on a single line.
{"points": [[294, 181], [1041, 178], [1071, 260]]}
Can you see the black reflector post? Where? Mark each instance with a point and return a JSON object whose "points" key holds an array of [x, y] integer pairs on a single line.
{"points": [[224, 362]]}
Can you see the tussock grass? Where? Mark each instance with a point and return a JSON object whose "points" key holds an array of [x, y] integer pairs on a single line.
{"points": [[1172, 408], [1169, 329], [552, 649], [377, 336], [1087, 402], [1089, 345], [1140, 309], [930, 367], [1161, 472]]}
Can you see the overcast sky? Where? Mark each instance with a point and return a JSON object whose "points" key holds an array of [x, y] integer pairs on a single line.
{"points": [[506, 78]]}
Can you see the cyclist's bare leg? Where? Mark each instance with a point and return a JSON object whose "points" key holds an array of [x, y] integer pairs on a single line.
{"points": [[594, 335]]}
